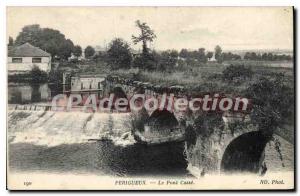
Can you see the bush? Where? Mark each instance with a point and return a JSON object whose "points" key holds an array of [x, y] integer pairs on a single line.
{"points": [[145, 61], [237, 73], [273, 103], [37, 75]]}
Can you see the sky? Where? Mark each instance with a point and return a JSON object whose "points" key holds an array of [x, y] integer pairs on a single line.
{"points": [[233, 28]]}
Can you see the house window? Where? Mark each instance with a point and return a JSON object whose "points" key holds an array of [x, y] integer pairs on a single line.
{"points": [[17, 60], [36, 60]]}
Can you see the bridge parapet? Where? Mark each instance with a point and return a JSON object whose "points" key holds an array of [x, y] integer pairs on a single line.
{"points": [[131, 86]]}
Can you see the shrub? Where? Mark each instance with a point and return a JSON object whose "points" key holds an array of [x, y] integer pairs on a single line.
{"points": [[37, 75], [273, 103], [237, 73]]}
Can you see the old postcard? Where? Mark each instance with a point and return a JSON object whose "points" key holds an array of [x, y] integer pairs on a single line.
{"points": [[150, 98]]}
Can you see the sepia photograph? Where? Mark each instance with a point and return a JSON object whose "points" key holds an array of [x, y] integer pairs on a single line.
{"points": [[150, 98]]}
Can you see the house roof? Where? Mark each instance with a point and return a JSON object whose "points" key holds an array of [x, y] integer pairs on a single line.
{"points": [[27, 50]]}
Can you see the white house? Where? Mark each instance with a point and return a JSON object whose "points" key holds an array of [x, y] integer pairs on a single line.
{"points": [[24, 57]]}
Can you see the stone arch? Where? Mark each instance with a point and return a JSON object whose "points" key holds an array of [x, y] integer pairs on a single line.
{"points": [[244, 153], [162, 118]]}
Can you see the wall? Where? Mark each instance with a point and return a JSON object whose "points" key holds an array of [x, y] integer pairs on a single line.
{"points": [[86, 83], [27, 64]]}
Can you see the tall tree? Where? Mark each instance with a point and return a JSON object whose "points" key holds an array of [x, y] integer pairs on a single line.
{"points": [[218, 53], [147, 35], [50, 40], [77, 51], [89, 51], [119, 55], [30, 34], [201, 57]]}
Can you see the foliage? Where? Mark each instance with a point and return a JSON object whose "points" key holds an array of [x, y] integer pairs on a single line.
{"points": [[209, 55], [77, 51], [241, 125], [147, 35], [195, 55], [89, 51], [267, 56], [37, 75], [167, 60], [218, 52], [118, 54], [184, 53], [56, 76], [229, 56], [272, 103], [237, 73], [201, 57], [206, 123], [47, 39], [146, 61]]}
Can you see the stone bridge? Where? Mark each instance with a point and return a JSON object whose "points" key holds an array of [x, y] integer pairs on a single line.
{"points": [[222, 150]]}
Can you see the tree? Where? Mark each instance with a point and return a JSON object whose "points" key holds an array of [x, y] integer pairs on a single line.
{"points": [[65, 49], [146, 60], [50, 40], [209, 55], [10, 41], [119, 55], [77, 51], [147, 35], [30, 34], [89, 51], [168, 60], [201, 57], [218, 53], [184, 53], [228, 56]]}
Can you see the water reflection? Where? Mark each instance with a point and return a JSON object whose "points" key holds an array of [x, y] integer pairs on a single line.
{"points": [[103, 158], [24, 93]]}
